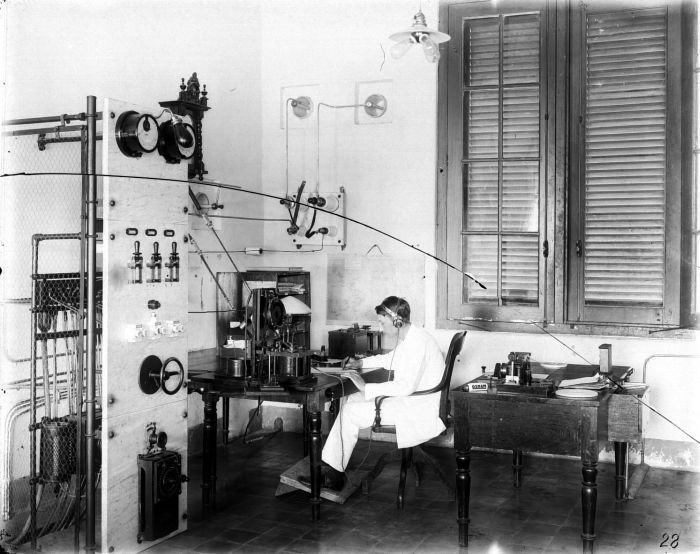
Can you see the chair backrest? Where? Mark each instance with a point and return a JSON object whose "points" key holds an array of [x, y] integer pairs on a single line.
{"points": [[452, 353]]}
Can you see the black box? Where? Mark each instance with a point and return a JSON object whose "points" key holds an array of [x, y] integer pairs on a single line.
{"points": [[354, 341], [160, 485]]}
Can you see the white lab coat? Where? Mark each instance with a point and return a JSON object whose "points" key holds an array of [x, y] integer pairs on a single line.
{"points": [[418, 364]]}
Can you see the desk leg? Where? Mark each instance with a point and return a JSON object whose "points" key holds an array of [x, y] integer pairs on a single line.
{"points": [[589, 496], [517, 468], [620, 469], [209, 452], [225, 418], [305, 429], [314, 419], [463, 486]]}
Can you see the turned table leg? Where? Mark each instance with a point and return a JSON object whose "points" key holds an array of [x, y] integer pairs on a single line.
{"points": [[463, 485], [314, 421], [589, 496]]}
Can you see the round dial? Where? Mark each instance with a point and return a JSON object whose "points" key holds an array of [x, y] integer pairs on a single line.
{"points": [[176, 141], [187, 151], [136, 133], [147, 132]]}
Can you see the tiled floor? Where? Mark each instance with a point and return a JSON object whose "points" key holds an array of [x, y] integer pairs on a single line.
{"points": [[543, 516]]}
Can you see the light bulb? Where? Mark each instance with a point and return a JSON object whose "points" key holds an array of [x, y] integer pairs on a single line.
{"points": [[430, 49], [400, 48]]}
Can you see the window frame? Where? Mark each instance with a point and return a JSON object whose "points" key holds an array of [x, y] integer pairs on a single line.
{"points": [[556, 18]]}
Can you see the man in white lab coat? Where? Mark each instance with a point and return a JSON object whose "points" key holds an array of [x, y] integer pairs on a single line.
{"points": [[417, 363]]}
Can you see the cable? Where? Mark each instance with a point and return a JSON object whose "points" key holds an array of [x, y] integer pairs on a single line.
{"points": [[250, 420], [255, 193], [241, 217], [616, 384]]}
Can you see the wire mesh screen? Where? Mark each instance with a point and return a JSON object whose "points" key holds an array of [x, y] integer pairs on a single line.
{"points": [[39, 321]]}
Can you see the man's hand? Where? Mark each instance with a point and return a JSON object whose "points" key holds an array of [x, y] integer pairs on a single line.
{"points": [[351, 363], [357, 381]]}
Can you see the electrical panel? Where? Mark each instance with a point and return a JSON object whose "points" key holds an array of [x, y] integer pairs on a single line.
{"points": [[146, 206], [317, 219]]}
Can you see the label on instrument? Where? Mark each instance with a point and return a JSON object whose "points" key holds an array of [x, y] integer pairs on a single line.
{"points": [[479, 386]]}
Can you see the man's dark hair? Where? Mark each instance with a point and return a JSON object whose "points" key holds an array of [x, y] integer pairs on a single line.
{"points": [[397, 305]]}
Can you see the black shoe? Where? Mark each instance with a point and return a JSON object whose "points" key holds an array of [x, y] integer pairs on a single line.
{"points": [[331, 479]]}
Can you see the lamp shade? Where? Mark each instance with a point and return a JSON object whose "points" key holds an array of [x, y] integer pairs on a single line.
{"points": [[294, 306], [419, 28]]}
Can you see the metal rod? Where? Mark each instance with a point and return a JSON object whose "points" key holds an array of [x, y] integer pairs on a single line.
{"points": [[80, 325], [32, 411], [63, 118], [44, 130], [91, 322]]}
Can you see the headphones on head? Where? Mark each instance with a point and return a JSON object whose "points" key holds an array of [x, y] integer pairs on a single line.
{"points": [[396, 319]]}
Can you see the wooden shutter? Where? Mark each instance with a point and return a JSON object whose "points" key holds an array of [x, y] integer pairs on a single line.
{"points": [[626, 120], [501, 175], [625, 162]]}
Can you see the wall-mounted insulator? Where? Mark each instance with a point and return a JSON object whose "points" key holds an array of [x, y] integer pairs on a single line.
{"points": [[155, 264], [136, 264], [329, 202], [173, 265]]}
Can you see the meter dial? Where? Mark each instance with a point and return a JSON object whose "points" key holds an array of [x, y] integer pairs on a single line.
{"points": [[176, 141], [136, 133]]}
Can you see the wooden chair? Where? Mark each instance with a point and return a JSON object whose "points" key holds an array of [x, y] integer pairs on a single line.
{"points": [[408, 455]]}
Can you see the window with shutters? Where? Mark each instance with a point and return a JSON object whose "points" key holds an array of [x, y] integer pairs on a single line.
{"points": [[565, 149], [497, 104], [625, 175]]}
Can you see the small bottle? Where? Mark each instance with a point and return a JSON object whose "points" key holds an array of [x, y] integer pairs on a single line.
{"points": [[324, 357]]}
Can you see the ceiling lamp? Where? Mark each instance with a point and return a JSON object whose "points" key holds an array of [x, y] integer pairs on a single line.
{"points": [[418, 33]]}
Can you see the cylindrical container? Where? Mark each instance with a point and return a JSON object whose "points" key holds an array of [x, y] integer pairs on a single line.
{"points": [[57, 450], [235, 367]]}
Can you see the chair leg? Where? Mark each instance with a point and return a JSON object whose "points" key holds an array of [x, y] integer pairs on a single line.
{"points": [[406, 460], [377, 469], [437, 468]]}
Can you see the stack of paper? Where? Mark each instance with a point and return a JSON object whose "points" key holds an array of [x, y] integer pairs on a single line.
{"points": [[594, 382]]}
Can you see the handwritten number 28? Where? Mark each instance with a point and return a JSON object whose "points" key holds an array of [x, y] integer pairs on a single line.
{"points": [[670, 540]]}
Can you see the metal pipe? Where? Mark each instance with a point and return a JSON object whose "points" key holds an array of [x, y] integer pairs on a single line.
{"points": [[91, 321], [13, 413], [32, 410], [43, 130], [63, 118], [80, 325]]}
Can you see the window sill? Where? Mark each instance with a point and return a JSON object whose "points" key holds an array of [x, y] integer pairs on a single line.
{"points": [[649, 332]]}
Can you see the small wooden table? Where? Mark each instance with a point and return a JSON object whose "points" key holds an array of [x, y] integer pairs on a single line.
{"points": [[522, 422], [212, 385]]}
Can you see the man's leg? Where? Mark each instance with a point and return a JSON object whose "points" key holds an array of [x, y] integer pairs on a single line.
{"points": [[355, 414]]}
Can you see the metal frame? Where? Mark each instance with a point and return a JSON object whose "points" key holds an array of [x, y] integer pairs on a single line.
{"points": [[87, 315]]}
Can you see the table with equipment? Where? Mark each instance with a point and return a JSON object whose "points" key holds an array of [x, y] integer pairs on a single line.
{"points": [[493, 413], [313, 395]]}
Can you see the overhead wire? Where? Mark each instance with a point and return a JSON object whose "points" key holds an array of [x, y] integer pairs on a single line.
{"points": [[618, 385], [344, 217], [255, 193]]}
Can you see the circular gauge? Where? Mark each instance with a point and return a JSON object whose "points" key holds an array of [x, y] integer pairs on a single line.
{"points": [[176, 141], [136, 133], [274, 312]]}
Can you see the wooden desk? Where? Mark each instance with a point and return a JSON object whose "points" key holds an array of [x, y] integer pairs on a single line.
{"points": [[555, 425], [212, 385]]}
